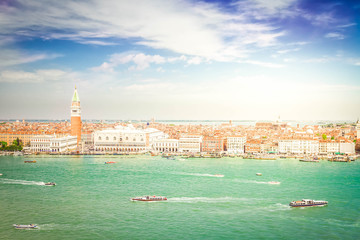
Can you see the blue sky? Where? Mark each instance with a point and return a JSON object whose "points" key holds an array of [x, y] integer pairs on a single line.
{"points": [[246, 59]]}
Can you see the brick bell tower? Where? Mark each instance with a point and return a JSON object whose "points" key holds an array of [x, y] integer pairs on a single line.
{"points": [[76, 116]]}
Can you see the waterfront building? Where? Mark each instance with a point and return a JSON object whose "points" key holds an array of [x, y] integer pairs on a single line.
{"points": [[253, 146], [298, 146], [190, 143], [347, 147], [166, 145], [358, 129], [76, 116], [212, 144], [53, 143], [235, 144], [126, 139]]}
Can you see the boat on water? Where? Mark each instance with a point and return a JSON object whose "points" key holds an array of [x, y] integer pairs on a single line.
{"points": [[149, 199], [273, 182], [308, 203], [308, 160], [109, 162], [1, 174], [30, 161], [259, 174], [218, 175], [19, 226], [50, 184]]}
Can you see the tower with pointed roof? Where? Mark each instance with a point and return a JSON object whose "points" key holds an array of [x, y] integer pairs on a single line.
{"points": [[358, 129], [76, 116]]}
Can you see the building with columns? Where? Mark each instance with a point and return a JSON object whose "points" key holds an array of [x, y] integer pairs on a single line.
{"points": [[76, 116], [126, 139]]}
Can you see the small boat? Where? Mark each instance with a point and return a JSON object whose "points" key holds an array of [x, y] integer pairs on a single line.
{"points": [[109, 162], [50, 184], [18, 226], [309, 160], [28, 161], [218, 175], [1, 174], [259, 174], [308, 203], [273, 182], [149, 199]]}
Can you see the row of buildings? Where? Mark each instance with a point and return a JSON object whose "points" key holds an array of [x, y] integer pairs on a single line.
{"points": [[264, 137]]}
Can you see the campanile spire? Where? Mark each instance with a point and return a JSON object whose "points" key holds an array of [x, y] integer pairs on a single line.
{"points": [[76, 116]]}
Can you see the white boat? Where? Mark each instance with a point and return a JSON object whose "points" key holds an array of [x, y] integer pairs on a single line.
{"points": [[308, 203], [259, 174], [149, 199], [273, 182], [218, 175], [19, 226], [1, 174]]}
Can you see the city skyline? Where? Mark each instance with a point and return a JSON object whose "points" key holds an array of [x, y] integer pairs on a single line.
{"points": [[193, 60]]}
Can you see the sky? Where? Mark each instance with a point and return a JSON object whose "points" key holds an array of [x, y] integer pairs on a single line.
{"points": [[180, 59]]}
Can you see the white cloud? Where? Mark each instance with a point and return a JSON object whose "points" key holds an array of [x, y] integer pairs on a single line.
{"points": [[42, 75], [9, 57], [335, 35], [184, 27], [263, 64], [140, 60]]}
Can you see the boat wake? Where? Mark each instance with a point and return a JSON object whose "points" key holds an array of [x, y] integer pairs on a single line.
{"points": [[203, 199], [22, 182], [203, 174], [258, 182]]}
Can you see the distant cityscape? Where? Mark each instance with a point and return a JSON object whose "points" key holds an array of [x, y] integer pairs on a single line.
{"points": [[201, 138]]}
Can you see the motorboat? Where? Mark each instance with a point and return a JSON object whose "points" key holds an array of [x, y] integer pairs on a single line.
{"points": [[149, 199], [273, 182], [218, 175], [259, 174], [1, 174], [30, 161], [308, 203], [109, 162], [19, 226], [50, 184]]}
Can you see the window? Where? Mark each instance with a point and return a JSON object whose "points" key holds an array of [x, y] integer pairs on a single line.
{"points": [[127, 138], [107, 138], [99, 138], [134, 139], [120, 139], [142, 139], [114, 138]]}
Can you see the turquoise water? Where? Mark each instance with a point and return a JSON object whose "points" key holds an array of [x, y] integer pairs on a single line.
{"points": [[91, 199]]}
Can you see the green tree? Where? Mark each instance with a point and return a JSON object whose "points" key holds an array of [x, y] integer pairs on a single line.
{"points": [[324, 137], [3, 144], [332, 137]]}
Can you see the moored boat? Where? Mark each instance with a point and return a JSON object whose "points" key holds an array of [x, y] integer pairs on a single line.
{"points": [[50, 184], [309, 160], [149, 199], [308, 203], [19, 226], [30, 161]]}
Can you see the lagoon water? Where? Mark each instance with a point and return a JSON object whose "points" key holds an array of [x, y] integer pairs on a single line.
{"points": [[92, 200]]}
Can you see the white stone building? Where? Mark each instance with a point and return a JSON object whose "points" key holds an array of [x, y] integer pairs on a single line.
{"points": [[166, 145], [294, 146], [235, 144], [347, 148], [190, 144], [126, 139], [52, 143]]}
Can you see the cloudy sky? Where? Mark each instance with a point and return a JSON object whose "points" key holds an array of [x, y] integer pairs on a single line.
{"points": [[180, 59]]}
